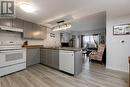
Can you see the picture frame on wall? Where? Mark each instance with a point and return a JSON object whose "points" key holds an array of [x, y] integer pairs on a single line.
{"points": [[52, 35], [123, 29]]}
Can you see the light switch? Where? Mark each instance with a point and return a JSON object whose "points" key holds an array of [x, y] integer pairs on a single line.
{"points": [[122, 41]]}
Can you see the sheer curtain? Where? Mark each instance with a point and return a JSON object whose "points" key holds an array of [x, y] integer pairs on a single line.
{"points": [[90, 41]]}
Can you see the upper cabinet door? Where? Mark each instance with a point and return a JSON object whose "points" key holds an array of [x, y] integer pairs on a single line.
{"points": [[27, 30], [36, 32], [44, 32], [18, 23], [39, 32], [6, 22]]}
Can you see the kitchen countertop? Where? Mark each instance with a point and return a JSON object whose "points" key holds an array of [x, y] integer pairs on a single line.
{"points": [[55, 48], [63, 48], [70, 49], [32, 46]]}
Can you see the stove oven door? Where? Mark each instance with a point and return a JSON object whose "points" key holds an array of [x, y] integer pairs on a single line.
{"points": [[12, 57]]}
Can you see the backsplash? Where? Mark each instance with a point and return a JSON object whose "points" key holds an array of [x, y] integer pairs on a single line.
{"points": [[48, 42], [10, 36], [52, 41], [34, 42]]}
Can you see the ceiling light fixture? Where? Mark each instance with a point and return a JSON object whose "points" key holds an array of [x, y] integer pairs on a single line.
{"points": [[62, 26], [27, 7]]}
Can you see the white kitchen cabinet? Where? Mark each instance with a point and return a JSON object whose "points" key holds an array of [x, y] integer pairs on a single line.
{"points": [[66, 61]]}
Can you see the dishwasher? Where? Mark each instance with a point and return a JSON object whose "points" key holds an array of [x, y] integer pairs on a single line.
{"points": [[66, 61]]}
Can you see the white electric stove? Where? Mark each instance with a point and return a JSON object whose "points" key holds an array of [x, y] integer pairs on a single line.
{"points": [[12, 57]]}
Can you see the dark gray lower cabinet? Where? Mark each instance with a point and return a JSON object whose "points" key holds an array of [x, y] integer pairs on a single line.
{"points": [[50, 57], [33, 56], [43, 56], [55, 59]]}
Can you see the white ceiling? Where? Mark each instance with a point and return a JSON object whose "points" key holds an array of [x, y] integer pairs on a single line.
{"points": [[84, 14], [92, 22]]}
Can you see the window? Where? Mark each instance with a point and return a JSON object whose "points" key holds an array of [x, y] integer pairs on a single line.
{"points": [[90, 41]]}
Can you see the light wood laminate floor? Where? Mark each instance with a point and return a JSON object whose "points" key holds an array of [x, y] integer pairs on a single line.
{"points": [[42, 76]]}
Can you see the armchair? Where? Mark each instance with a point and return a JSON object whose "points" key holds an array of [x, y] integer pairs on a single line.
{"points": [[97, 55]]}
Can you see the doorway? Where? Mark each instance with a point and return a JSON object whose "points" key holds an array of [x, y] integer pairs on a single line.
{"points": [[94, 47]]}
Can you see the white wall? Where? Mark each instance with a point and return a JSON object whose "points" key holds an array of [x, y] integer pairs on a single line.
{"points": [[34, 42], [12, 36], [6, 36], [52, 41], [117, 52], [90, 32]]}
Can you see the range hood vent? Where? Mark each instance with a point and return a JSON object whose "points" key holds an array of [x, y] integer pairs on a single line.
{"points": [[4, 28]]}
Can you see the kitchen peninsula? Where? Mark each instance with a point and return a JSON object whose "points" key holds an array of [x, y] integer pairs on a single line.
{"points": [[64, 59], [129, 69], [68, 60]]}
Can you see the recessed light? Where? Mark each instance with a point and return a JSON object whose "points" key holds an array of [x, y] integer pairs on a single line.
{"points": [[27, 7]]}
